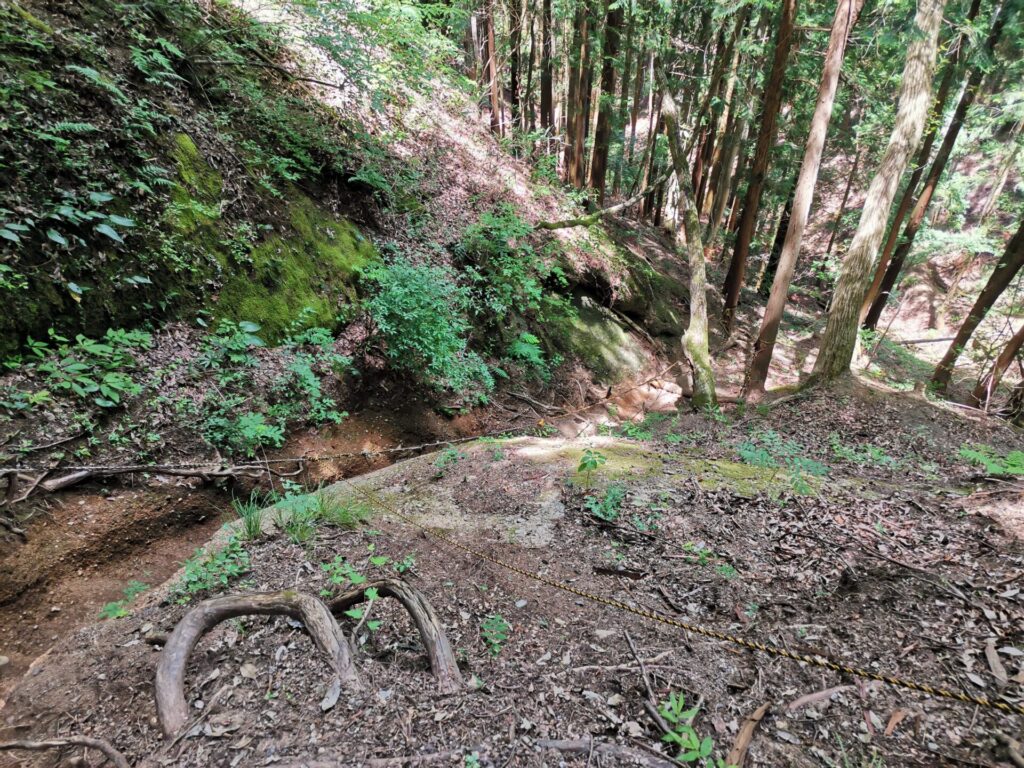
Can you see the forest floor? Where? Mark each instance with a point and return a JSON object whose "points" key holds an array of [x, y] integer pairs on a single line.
{"points": [[837, 523]]}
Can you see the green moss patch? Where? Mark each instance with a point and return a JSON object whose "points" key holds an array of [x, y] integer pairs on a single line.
{"points": [[315, 265]]}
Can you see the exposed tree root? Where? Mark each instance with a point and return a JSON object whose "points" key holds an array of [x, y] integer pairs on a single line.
{"points": [[621, 755], [442, 660], [100, 745], [172, 709]]}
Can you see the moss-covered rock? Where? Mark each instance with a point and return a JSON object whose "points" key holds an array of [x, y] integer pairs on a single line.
{"points": [[597, 337], [314, 265]]}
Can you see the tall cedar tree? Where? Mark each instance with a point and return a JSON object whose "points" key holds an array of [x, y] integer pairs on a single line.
{"points": [[603, 133], [845, 18], [931, 183], [840, 339]]}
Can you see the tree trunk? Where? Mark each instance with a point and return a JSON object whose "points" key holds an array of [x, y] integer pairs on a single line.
{"points": [[515, 34], [1006, 270], [1008, 164], [547, 102], [494, 86], [576, 134], [603, 132], [573, 100], [987, 385], [840, 339], [846, 197], [952, 69], [638, 92], [759, 168], [695, 340], [845, 18], [623, 110], [530, 117]]}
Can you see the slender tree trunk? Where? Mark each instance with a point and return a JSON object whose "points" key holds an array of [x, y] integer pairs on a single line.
{"points": [[576, 163], [759, 168], [987, 385], [530, 119], [771, 264], [931, 183], [623, 110], [515, 23], [846, 198], [547, 102], [492, 73], [1008, 164], [1009, 265], [606, 106], [907, 200], [573, 98], [840, 339], [695, 340], [638, 92], [845, 18]]}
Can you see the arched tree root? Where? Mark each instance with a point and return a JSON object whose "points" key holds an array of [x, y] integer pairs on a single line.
{"points": [[171, 707], [439, 650], [115, 757]]}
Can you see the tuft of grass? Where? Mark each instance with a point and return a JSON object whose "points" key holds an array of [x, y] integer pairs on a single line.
{"points": [[250, 512]]}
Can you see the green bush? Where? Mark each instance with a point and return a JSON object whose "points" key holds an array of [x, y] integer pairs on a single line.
{"points": [[420, 314]]}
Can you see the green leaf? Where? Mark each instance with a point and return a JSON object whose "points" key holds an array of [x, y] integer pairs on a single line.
{"points": [[106, 229], [100, 197], [354, 613], [121, 221], [373, 625], [8, 235], [371, 593], [248, 327], [56, 236]]}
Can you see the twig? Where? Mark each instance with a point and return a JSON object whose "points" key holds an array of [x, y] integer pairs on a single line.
{"points": [[651, 705], [112, 754], [738, 753]]}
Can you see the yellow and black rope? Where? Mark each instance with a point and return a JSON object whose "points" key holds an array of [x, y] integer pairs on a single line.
{"points": [[754, 645]]}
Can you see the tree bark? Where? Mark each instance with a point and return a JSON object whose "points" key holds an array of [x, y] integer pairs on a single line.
{"points": [[1008, 164], [759, 168], [515, 23], [987, 385], [695, 340], [603, 132], [840, 339], [952, 69], [547, 102], [623, 110], [845, 18], [494, 87], [1009, 265], [890, 273], [578, 99]]}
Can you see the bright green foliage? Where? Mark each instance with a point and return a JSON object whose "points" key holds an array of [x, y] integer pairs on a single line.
{"points": [[301, 514], [96, 370], [766, 448], [590, 461], [212, 570], [503, 267], [692, 748], [420, 314], [119, 608], [608, 506], [447, 458], [527, 349], [994, 463], [407, 563], [340, 572], [495, 632]]}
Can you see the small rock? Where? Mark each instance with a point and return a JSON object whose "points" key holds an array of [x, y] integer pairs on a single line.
{"points": [[146, 628], [614, 700], [604, 634], [54, 609], [633, 729], [199, 704], [520, 603], [4, 661]]}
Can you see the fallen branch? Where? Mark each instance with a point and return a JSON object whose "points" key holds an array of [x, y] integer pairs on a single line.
{"points": [[593, 218], [621, 754], [651, 705], [738, 753], [112, 754], [171, 706], [439, 650], [813, 698]]}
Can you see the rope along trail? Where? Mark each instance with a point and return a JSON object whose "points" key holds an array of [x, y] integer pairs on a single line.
{"points": [[754, 645]]}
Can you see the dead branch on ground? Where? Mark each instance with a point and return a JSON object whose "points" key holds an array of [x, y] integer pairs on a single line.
{"points": [[112, 754]]}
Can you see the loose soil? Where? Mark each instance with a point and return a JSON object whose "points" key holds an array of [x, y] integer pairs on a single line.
{"points": [[883, 566]]}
